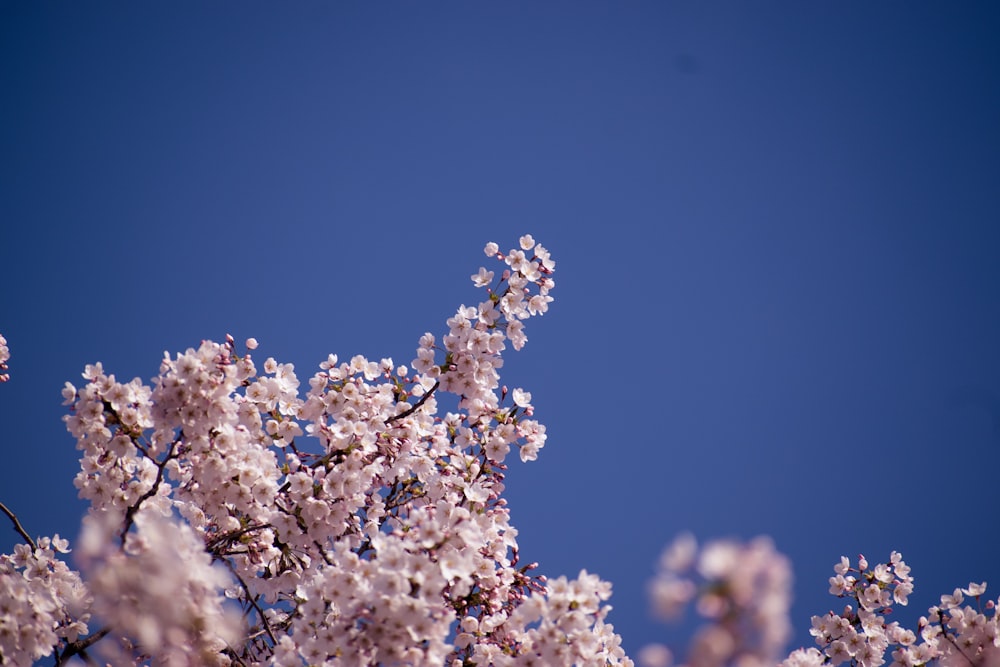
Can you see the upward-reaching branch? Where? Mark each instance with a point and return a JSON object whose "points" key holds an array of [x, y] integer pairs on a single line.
{"points": [[18, 527]]}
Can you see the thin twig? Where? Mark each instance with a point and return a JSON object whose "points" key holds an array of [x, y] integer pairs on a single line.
{"points": [[415, 407], [251, 599], [218, 540], [951, 640], [18, 527], [134, 508]]}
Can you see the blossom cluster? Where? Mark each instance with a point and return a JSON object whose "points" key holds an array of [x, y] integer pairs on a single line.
{"points": [[238, 517], [160, 591], [950, 634], [743, 590], [236, 520], [564, 625], [42, 601], [4, 356]]}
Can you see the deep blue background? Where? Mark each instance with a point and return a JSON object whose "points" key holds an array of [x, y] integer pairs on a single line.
{"points": [[776, 227]]}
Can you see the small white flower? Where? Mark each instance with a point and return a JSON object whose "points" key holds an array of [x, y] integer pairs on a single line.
{"points": [[521, 398], [953, 600], [975, 590], [483, 278]]}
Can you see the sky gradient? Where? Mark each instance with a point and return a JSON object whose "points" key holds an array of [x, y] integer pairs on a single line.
{"points": [[776, 228]]}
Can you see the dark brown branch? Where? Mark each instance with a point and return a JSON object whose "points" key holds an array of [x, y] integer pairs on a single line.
{"points": [[234, 535], [322, 552], [134, 508], [18, 527], [951, 640], [251, 600], [87, 659], [416, 406], [80, 646]]}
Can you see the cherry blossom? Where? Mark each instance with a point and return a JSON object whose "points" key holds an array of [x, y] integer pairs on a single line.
{"points": [[240, 515], [44, 602], [4, 357], [235, 519], [860, 635], [744, 590]]}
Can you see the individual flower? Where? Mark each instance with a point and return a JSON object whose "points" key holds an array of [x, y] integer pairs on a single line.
{"points": [[953, 600], [521, 398], [483, 278], [975, 590]]}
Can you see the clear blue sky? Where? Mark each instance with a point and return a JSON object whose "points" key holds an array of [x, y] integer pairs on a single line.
{"points": [[777, 230]]}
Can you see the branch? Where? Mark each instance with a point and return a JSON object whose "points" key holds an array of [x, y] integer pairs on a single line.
{"points": [[80, 646], [951, 640], [18, 527], [415, 407], [87, 659], [134, 508], [252, 600], [231, 536]]}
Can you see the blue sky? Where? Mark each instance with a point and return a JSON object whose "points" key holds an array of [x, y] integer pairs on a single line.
{"points": [[776, 228]]}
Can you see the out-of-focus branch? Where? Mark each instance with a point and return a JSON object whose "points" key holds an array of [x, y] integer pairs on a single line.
{"points": [[18, 527], [80, 646], [951, 640]]}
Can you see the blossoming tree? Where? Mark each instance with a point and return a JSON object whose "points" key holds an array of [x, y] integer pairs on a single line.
{"points": [[235, 520]]}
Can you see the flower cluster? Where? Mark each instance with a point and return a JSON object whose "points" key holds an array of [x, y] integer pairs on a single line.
{"points": [[4, 356], [160, 592], [562, 625], [949, 635], [744, 590], [352, 524], [42, 601], [237, 518]]}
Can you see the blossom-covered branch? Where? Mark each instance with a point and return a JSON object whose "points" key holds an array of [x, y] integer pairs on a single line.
{"points": [[239, 518], [4, 357], [949, 635], [351, 524]]}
